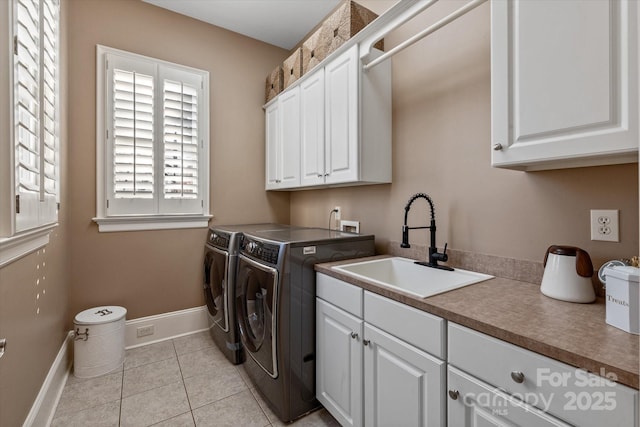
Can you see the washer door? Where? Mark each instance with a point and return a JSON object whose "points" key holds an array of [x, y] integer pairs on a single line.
{"points": [[216, 265], [256, 311]]}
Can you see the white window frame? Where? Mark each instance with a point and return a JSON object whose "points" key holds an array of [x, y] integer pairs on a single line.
{"points": [[156, 221], [15, 241]]}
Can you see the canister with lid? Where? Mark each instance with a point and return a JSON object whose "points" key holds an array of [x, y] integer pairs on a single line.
{"points": [[99, 341]]}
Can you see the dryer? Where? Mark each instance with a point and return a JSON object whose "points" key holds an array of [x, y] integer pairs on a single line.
{"points": [[275, 308], [220, 260]]}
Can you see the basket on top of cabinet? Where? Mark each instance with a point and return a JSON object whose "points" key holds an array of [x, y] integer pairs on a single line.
{"points": [[345, 22], [292, 68], [337, 28], [274, 83]]}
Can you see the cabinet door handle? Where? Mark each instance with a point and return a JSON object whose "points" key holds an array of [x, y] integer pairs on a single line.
{"points": [[453, 394], [320, 175], [326, 174], [497, 147], [517, 376], [365, 342], [354, 335]]}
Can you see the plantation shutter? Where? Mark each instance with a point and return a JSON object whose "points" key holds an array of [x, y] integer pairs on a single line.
{"points": [[131, 118], [154, 155], [182, 142], [133, 134], [35, 93], [50, 158], [180, 115]]}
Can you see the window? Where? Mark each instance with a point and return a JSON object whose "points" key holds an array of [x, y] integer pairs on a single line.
{"points": [[153, 143], [34, 127]]}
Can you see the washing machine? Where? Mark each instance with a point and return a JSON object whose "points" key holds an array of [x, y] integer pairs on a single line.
{"points": [[220, 261], [275, 308]]}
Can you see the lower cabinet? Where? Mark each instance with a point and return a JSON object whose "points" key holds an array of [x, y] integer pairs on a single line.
{"points": [[339, 350], [403, 386], [383, 363], [366, 376], [474, 403], [492, 382]]}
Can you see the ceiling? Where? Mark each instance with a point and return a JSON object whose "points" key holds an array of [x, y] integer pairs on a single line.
{"points": [[281, 23]]}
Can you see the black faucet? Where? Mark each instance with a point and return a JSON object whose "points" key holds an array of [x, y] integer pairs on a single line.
{"points": [[434, 255]]}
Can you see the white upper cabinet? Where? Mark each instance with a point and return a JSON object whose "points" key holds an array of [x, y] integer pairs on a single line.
{"points": [[564, 77], [272, 140], [283, 141], [343, 124], [312, 130]]}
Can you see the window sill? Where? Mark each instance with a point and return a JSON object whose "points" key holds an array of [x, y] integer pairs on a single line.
{"points": [[15, 247], [144, 223]]}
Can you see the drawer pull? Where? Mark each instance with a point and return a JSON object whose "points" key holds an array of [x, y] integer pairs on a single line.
{"points": [[453, 394], [365, 342], [354, 335], [517, 376]]}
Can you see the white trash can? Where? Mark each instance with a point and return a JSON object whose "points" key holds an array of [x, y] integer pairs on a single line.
{"points": [[99, 341]]}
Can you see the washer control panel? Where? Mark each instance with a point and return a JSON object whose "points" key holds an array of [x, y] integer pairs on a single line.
{"points": [[259, 250], [218, 239]]}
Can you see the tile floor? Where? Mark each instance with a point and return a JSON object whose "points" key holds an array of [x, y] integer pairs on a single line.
{"points": [[185, 381]]}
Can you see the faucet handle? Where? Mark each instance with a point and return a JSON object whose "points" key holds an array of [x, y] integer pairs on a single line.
{"points": [[437, 256]]}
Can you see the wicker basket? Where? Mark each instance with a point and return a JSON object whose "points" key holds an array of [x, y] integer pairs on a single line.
{"points": [[292, 68], [274, 84], [313, 50], [337, 28]]}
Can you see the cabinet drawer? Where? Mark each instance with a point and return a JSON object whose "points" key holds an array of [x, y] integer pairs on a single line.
{"points": [[423, 330], [341, 294], [568, 393], [472, 402]]}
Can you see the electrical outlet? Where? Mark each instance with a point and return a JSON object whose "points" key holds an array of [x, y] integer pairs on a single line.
{"points": [[338, 211], [604, 225], [143, 331]]}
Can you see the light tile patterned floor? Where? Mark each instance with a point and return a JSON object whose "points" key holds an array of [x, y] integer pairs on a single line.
{"points": [[186, 381]]}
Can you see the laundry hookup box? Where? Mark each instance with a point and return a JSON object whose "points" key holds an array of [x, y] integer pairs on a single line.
{"points": [[623, 298]]}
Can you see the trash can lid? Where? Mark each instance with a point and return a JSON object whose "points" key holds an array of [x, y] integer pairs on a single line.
{"points": [[99, 315]]}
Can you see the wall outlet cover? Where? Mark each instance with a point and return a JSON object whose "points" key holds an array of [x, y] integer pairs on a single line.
{"points": [[605, 225]]}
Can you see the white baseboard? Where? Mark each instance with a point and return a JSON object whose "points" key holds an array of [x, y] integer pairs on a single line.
{"points": [[166, 326], [44, 406]]}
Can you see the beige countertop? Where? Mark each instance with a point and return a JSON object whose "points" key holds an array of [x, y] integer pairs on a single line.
{"points": [[517, 312]]}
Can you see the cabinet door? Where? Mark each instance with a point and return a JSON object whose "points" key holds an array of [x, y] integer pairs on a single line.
{"points": [[290, 137], [272, 131], [564, 83], [473, 403], [312, 129], [341, 134], [339, 363], [403, 385]]}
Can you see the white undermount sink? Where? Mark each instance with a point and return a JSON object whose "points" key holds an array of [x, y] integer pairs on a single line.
{"points": [[403, 274]]}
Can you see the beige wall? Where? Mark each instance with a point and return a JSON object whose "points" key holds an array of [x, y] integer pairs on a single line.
{"points": [[441, 146], [154, 272], [34, 291]]}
